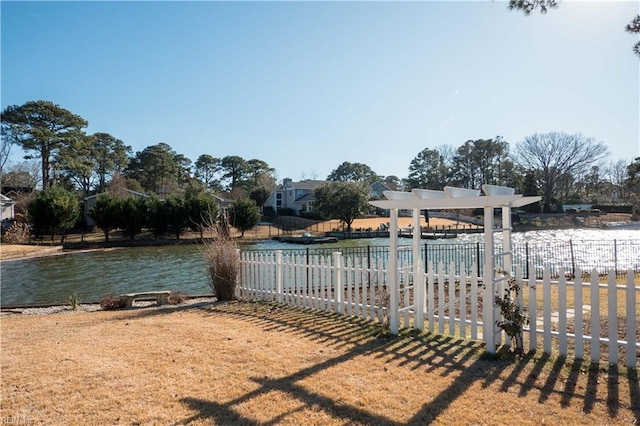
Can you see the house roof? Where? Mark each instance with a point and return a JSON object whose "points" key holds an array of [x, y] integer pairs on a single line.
{"points": [[139, 194], [222, 199], [6, 201], [305, 197], [305, 184], [379, 186]]}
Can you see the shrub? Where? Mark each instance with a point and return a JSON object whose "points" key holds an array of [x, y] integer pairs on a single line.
{"points": [[17, 233], [312, 215], [74, 301], [176, 298], [268, 212], [513, 321], [110, 303], [54, 210], [286, 211], [221, 255]]}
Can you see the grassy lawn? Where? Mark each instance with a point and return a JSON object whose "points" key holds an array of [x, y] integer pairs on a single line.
{"points": [[253, 363]]}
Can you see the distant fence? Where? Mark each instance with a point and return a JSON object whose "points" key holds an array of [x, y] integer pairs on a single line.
{"points": [[603, 256], [589, 319]]}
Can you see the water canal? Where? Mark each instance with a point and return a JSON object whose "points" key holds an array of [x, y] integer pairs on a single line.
{"points": [[95, 274]]}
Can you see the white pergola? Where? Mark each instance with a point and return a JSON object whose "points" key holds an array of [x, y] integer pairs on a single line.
{"points": [[452, 198]]}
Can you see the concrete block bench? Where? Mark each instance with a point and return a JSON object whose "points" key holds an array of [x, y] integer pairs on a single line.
{"points": [[161, 297]]}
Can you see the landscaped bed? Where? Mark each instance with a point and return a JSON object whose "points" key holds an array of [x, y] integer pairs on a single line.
{"points": [[250, 363]]}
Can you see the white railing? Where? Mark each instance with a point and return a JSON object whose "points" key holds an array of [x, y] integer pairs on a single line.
{"points": [[562, 312]]}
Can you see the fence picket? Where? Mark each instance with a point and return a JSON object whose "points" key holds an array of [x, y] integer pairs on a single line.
{"points": [[612, 307], [462, 306], [441, 298], [533, 313], [474, 303], [562, 313], [339, 289], [452, 300], [546, 310], [279, 276], [631, 321], [578, 306], [595, 316], [357, 287], [405, 303], [374, 293], [430, 296]]}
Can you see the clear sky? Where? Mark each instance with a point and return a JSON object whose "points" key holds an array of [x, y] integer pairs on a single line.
{"points": [[306, 86]]}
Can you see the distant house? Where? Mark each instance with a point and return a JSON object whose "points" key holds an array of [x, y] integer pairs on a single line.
{"points": [[297, 196], [377, 188], [90, 201], [7, 211], [223, 204]]}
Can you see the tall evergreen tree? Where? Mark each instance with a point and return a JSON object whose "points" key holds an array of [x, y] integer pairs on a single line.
{"points": [[42, 127]]}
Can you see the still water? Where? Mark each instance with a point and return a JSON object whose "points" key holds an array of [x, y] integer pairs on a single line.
{"points": [[93, 275]]}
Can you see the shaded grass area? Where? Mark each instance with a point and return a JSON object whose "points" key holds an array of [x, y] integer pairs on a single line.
{"points": [[257, 364]]}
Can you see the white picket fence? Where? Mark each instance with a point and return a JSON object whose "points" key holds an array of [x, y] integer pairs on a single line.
{"points": [[562, 313]]}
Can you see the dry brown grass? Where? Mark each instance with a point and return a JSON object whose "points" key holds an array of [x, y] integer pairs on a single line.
{"points": [[250, 363]]}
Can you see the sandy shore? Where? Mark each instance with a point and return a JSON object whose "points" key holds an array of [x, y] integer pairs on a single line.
{"points": [[19, 251]]}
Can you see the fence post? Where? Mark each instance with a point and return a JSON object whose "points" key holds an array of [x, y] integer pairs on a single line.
{"points": [[573, 260], [426, 256], [339, 290], [526, 255], [615, 257], [279, 276], [478, 263]]}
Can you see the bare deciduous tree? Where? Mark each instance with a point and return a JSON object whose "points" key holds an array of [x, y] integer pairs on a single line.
{"points": [[616, 173], [554, 156]]}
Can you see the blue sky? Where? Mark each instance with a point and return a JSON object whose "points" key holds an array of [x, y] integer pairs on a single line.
{"points": [[306, 86]]}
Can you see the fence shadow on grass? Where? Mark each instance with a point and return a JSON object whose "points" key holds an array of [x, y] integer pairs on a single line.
{"points": [[534, 375]]}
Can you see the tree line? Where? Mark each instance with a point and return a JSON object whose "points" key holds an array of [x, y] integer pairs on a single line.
{"points": [[76, 160], [563, 168], [55, 210]]}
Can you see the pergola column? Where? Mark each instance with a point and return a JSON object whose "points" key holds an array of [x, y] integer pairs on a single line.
{"points": [[418, 277], [392, 272], [488, 271]]}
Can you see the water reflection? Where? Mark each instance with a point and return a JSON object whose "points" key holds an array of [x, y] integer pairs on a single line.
{"points": [[93, 275]]}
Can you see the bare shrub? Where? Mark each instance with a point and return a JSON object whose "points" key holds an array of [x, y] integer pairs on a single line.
{"points": [[17, 233], [176, 298], [74, 301], [223, 263], [110, 303]]}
